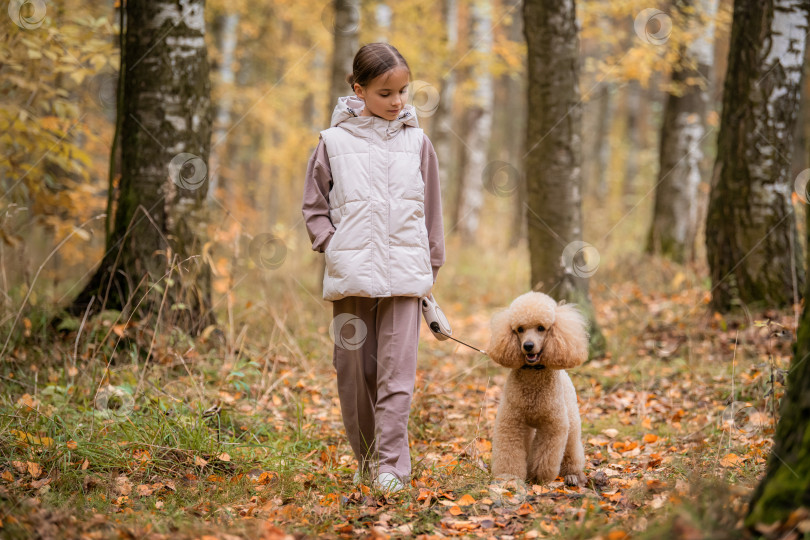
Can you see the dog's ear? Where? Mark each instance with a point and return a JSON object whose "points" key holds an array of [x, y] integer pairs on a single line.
{"points": [[504, 345], [566, 344]]}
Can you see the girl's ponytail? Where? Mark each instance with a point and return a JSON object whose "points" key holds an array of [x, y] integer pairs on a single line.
{"points": [[350, 79]]}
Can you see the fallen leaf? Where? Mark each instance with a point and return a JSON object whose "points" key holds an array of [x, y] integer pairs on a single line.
{"points": [[122, 485], [731, 460], [525, 509], [34, 469], [466, 500]]}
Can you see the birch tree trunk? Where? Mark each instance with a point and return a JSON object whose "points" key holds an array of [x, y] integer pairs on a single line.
{"points": [[165, 143], [346, 24], [561, 262], [751, 238], [443, 138], [479, 123], [683, 130], [229, 22], [382, 15]]}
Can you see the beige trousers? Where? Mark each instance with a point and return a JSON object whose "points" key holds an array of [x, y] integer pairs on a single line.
{"points": [[376, 342]]}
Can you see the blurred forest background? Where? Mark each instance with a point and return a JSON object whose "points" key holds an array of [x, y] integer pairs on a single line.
{"points": [[648, 160]]}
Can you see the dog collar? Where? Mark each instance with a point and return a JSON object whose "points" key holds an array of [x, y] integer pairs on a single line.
{"points": [[530, 366]]}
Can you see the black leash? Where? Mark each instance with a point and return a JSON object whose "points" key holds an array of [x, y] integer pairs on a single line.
{"points": [[435, 327]]}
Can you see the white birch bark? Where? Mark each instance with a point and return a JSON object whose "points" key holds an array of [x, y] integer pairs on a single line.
{"points": [[751, 238], [683, 134], [479, 126], [222, 122]]}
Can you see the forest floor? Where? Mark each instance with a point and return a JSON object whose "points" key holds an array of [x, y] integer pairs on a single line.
{"points": [[116, 429]]}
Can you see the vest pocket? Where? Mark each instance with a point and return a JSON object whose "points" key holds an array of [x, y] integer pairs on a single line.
{"points": [[333, 269], [406, 224]]}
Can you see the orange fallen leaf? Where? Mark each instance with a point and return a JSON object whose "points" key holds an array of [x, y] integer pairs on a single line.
{"points": [[525, 509], [617, 534], [650, 438], [466, 500], [425, 494], [731, 460], [464, 525], [267, 477], [456, 510], [34, 469]]}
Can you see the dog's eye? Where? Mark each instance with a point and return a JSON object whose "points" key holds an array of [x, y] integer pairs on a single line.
{"points": [[541, 328], [520, 329]]}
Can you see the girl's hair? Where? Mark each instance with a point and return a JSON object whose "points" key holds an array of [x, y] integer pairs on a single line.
{"points": [[372, 60]]}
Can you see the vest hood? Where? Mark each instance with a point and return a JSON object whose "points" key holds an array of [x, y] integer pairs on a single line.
{"points": [[347, 115]]}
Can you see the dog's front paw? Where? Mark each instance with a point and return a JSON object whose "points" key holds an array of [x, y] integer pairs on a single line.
{"points": [[575, 479]]}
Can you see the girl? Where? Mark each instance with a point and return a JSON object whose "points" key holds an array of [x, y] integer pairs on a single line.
{"points": [[372, 205]]}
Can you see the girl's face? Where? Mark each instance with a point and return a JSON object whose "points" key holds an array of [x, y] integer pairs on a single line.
{"points": [[385, 95]]}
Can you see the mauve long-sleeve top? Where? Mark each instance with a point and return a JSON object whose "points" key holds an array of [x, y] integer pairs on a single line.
{"points": [[316, 201]]}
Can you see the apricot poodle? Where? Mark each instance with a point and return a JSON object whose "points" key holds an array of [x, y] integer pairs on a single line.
{"points": [[537, 429]]}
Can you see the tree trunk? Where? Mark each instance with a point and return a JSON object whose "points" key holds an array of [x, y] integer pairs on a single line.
{"points": [[751, 238], [512, 135], [601, 146], [382, 16], [479, 123], [228, 23], [443, 119], [632, 101], [560, 262], [346, 24], [165, 141], [786, 485], [345, 30], [674, 224]]}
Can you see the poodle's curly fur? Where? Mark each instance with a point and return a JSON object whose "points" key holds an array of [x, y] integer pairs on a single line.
{"points": [[537, 429]]}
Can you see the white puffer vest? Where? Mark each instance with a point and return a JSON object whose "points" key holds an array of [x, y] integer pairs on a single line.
{"points": [[377, 205]]}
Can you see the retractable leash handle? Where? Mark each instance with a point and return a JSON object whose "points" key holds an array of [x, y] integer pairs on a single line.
{"points": [[435, 319], [438, 323]]}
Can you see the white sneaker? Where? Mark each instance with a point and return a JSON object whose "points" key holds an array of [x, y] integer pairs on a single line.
{"points": [[388, 482]]}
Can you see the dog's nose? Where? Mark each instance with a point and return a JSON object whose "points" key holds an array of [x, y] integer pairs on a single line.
{"points": [[528, 346]]}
